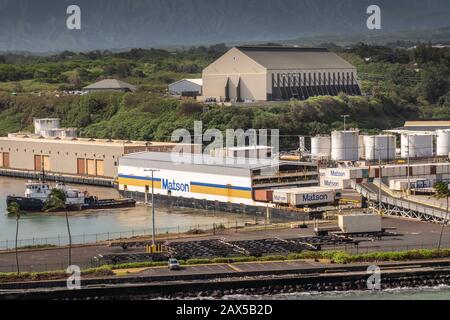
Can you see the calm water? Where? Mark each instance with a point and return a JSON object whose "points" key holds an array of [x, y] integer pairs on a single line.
{"points": [[102, 221], [435, 293]]}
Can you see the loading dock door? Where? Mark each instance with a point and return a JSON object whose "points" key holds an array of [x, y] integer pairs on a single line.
{"points": [[37, 163], [90, 167], [100, 166], [46, 161], [81, 166], [6, 160]]}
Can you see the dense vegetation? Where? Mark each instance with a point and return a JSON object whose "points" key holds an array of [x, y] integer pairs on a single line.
{"points": [[399, 84]]}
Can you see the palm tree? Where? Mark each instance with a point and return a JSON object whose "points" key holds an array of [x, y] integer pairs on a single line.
{"points": [[56, 201], [14, 209], [442, 192]]}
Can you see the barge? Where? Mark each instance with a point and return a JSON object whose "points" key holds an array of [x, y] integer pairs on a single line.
{"points": [[37, 193]]}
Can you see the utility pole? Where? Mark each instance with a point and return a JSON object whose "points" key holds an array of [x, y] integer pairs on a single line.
{"points": [[153, 205], [379, 177], [345, 116]]}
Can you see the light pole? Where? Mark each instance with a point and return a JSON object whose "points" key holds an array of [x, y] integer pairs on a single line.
{"points": [[153, 205], [345, 116], [379, 177], [408, 189]]}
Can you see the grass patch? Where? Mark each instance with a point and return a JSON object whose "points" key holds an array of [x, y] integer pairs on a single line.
{"points": [[53, 275]]}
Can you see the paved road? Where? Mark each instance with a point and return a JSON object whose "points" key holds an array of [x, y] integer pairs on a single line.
{"points": [[224, 268], [413, 235]]}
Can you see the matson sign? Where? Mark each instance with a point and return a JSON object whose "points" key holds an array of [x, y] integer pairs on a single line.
{"points": [[174, 186]]}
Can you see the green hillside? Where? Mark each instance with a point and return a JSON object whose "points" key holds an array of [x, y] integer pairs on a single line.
{"points": [[399, 84]]}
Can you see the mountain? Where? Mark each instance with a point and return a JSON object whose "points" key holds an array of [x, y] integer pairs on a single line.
{"points": [[40, 26]]}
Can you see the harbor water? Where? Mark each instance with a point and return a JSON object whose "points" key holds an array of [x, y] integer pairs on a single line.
{"points": [[89, 226], [425, 293]]}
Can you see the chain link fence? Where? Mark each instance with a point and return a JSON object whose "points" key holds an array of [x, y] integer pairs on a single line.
{"points": [[108, 236]]}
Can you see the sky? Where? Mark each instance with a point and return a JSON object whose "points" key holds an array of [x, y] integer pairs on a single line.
{"points": [[41, 25]]}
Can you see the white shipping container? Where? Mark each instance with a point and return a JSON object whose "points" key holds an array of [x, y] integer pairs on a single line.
{"points": [[342, 173], [299, 198], [280, 196], [335, 183], [359, 223]]}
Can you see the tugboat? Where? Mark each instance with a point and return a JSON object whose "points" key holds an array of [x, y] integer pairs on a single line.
{"points": [[37, 193]]}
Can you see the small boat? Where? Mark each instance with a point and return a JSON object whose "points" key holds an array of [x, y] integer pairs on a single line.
{"points": [[37, 193]]}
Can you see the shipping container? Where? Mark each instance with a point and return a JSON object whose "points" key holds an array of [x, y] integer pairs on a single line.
{"points": [[336, 183], [263, 195], [359, 223], [280, 196], [309, 196]]}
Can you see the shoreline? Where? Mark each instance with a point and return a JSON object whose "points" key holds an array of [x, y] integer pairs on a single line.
{"points": [[411, 274]]}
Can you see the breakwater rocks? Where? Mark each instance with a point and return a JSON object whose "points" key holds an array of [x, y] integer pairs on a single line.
{"points": [[431, 280]]}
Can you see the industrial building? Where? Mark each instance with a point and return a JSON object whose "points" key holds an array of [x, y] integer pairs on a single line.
{"points": [[271, 73], [70, 156], [110, 85], [187, 87], [51, 128], [206, 178]]}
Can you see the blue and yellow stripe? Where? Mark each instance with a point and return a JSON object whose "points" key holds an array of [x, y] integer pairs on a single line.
{"points": [[137, 181], [195, 187]]}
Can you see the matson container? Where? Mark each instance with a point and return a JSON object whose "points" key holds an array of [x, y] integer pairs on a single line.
{"points": [[359, 223], [281, 196], [263, 195], [335, 183], [311, 196]]}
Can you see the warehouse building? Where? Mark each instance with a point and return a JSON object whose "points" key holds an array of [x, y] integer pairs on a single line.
{"points": [[187, 87], [206, 178], [260, 73], [91, 158]]}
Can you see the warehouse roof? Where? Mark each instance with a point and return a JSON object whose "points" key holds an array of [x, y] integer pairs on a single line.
{"points": [[272, 57], [29, 137], [111, 84], [196, 81], [423, 126], [199, 163]]}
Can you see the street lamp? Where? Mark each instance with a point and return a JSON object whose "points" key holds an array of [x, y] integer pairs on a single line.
{"points": [[345, 116], [153, 205], [379, 177]]}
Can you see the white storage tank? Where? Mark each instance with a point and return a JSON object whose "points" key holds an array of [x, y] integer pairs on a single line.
{"points": [[345, 145], [361, 147], [380, 146], [418, 144], [321, 147], [443, 142]]}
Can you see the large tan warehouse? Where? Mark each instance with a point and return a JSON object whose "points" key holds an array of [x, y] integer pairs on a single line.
{"points": [[75, 156], [263, 73]]}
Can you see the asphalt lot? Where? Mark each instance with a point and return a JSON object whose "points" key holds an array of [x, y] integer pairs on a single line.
{"points": [[412, 234]]}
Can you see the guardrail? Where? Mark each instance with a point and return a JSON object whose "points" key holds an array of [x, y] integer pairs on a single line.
{"points": [[401, 206]]}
